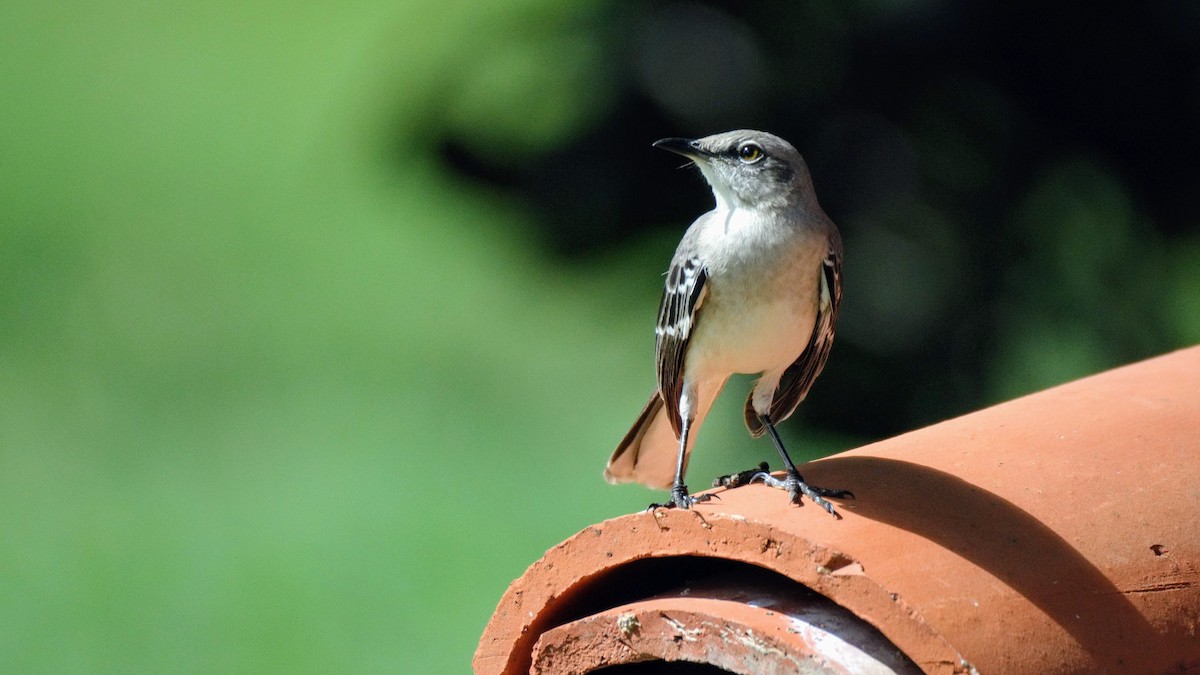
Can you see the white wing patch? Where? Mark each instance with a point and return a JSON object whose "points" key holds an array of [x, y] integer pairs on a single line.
{"points": [[681, 287], [684, 293], [826, 294]]}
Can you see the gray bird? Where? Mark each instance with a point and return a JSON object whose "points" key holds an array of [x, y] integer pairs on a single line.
{"points": [[754, 287]]}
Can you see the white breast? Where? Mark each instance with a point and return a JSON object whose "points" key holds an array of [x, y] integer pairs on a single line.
{"points": [[761, 305]]}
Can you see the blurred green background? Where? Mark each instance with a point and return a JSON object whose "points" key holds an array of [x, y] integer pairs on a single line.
{"points": [[318, 321]]}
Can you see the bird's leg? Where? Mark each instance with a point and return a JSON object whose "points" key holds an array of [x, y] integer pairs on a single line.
{"points": [[679, 492], [793, 483]]}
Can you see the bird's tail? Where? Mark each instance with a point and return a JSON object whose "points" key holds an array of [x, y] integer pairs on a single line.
{"points": [[648, 452]]}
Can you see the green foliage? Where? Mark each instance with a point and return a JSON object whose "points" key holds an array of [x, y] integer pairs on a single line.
{"points": [[267, 405], [1082, 293]]}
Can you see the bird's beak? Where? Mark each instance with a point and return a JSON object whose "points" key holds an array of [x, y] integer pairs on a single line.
{"points": [[683, 146]]}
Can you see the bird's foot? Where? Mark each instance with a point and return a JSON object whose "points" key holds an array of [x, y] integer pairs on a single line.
{"points": [[680, 499], [730, 481], [797, 488]]}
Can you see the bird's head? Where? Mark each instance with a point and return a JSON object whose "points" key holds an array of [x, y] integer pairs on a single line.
{"points": [[747, 169]]}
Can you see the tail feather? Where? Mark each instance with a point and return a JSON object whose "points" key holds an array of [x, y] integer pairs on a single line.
{"points": [[753, 422], [648, 453], [635, 454]]}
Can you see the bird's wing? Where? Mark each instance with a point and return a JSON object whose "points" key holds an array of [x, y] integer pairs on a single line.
{"points": [[677, 316], [799, 377]]}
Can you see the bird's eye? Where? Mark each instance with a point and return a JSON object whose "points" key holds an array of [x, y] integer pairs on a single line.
{"points": [[749, 153]]}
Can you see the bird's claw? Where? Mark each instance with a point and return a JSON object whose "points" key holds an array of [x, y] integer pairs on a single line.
{"points": [[798, 489], [680, 499]]}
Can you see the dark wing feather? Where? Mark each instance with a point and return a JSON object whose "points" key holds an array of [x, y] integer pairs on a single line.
{"points": [[799, 377], [677, 314]]}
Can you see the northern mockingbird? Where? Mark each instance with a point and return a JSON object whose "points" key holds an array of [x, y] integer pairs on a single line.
{"points": [[754, 287]]}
